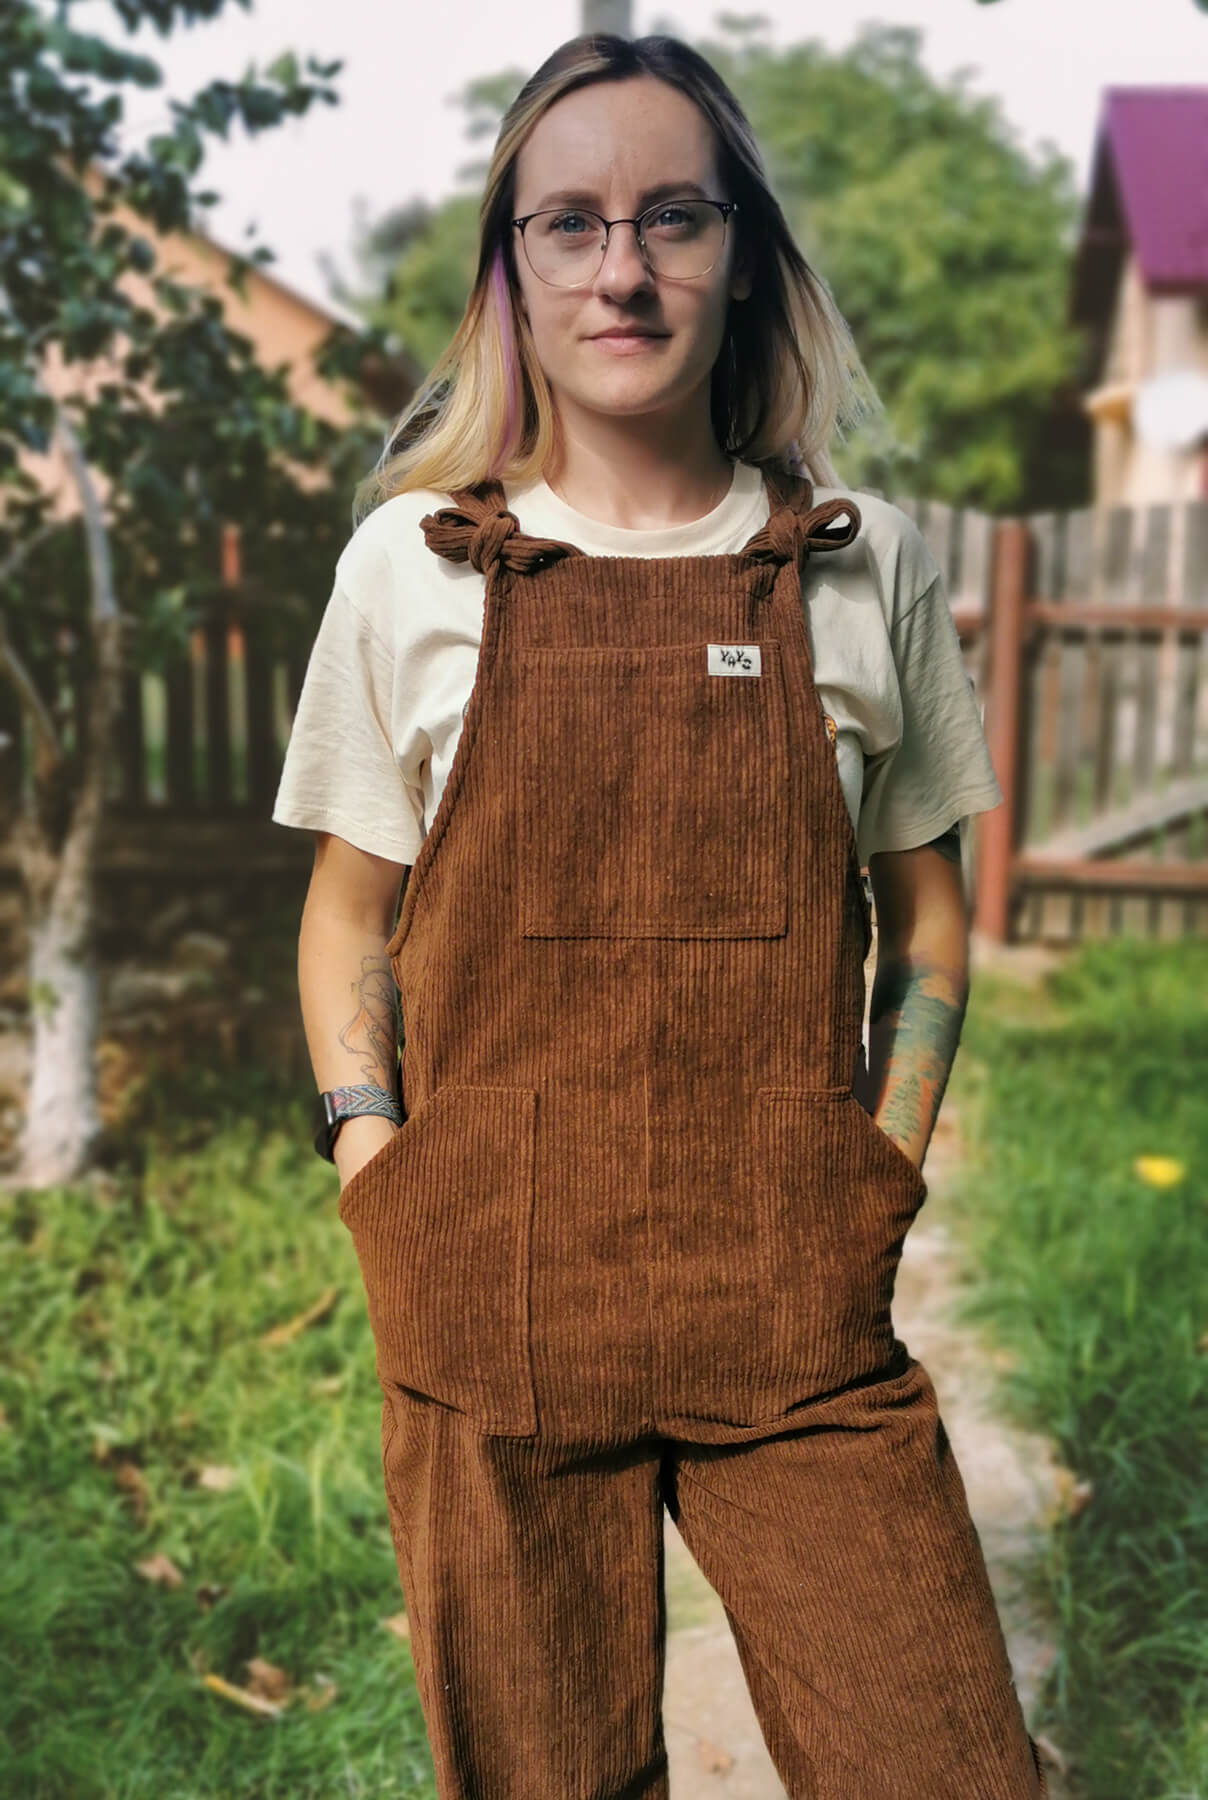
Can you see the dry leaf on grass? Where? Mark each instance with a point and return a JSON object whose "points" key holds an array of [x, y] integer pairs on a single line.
{"points": [[267, 1681], [399, 1624], [253, 1703], [216, 1478], [161, 1570], [327, 1384], [292, 1328], [133, 1483], [712, 1758], [210, 1593]]}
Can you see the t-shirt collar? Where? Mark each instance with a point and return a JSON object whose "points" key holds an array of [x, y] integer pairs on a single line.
{"points": [[543, 514]]}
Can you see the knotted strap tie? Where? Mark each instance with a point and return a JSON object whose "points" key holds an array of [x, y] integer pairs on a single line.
{"points": [[792, 534], [477, 532]]}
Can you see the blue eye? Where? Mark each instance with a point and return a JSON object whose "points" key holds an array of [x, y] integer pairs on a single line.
{"points": [[572, 219]]}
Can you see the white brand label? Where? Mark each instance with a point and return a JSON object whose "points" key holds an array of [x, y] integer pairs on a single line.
{"points": [[733, 659]]}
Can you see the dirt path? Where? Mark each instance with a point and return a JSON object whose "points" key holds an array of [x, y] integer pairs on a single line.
{"points": [[713, 1737]]}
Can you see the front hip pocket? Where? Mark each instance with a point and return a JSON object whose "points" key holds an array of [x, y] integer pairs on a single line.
{"points": [[837, 1198], [441, 1221], [654, 792]]}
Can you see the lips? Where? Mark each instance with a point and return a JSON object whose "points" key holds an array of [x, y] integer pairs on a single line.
{"points": [[621, 332]]}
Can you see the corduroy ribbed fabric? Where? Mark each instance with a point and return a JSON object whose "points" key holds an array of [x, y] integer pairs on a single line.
{"points": [[635, 1244]]}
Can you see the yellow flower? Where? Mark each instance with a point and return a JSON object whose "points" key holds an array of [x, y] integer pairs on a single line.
{"points": [[1159, 1171]]}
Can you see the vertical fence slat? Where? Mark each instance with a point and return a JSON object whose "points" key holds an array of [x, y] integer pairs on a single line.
{"points": [[1155, 574], [261, 744], [998, 834], [1075, 586], [130, 748], [1193, 587], [218, 718], [1116, 569], [178, 735], [1044, 677]]}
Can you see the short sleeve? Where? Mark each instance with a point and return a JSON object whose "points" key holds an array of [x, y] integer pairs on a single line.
{"points": [[940, 769], [340, 772]]}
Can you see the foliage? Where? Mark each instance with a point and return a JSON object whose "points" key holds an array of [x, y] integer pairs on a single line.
{"points": [[181, 427], [1085, 1211], [947, 248]]}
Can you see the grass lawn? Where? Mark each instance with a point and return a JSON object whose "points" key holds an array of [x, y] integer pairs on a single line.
{"points": [[143, 1418], [1095, 1277]]}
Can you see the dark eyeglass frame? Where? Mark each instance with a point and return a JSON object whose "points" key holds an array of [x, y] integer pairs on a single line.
{"points": [[724, 207]]}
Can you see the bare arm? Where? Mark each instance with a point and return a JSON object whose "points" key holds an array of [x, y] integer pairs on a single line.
{"points": [[921, 987], [345, 985]]}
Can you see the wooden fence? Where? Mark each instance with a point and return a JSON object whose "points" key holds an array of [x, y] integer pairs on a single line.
{"points": [[1083, 633]]}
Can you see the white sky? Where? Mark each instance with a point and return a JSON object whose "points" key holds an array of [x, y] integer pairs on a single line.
{"points": [[395, 134]]}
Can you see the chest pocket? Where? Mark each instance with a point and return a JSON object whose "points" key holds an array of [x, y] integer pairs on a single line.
{"points": [[654, 797]]}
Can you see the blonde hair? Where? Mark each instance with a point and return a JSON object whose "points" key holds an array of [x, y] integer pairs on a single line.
{"points": [[787, 376]]}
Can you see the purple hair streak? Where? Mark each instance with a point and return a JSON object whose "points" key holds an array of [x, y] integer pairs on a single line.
{"points": [[502, 301]]}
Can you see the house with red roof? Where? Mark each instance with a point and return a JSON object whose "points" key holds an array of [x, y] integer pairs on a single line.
{"points": [[1140, 292]]}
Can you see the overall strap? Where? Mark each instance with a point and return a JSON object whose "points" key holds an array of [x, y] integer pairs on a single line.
{"points": [[480, 530], [796, 528]]}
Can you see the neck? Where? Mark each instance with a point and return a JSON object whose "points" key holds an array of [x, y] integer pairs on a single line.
{"points": [[666, 476]]}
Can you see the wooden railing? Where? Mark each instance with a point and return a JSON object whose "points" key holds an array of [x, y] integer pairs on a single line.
{"points": [[1085, 634]]}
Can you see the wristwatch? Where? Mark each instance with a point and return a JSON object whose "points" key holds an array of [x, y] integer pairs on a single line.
{"points": [[338, 1104]]}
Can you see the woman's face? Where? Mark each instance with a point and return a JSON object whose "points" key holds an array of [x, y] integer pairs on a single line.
{"points": [[618, 147]]}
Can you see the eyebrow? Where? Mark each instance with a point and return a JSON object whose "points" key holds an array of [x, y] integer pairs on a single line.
{"points": [[585, 197]]}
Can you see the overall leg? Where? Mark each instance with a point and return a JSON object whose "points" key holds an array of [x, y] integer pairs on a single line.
{"points": [[533, 1581], [855, 1584]]}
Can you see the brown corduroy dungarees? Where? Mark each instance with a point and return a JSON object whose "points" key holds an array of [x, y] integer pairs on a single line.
{"points": [[635, 1243]]}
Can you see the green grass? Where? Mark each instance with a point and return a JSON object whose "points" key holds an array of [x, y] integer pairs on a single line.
{"points": [[130, 1327], [1098, 1283]]}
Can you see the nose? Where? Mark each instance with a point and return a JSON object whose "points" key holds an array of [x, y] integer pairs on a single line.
{"points": [[623, 269]]}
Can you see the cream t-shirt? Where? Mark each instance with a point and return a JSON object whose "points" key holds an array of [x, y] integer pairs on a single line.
{"points": [[395, 657]]}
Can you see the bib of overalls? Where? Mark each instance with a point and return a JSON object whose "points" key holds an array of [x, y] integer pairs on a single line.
{"points": [[634, 1182]]}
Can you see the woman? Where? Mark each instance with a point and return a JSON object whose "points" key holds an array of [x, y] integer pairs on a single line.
{"points": [[626, 702]]}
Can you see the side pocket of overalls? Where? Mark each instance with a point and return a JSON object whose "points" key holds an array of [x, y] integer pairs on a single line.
{"points": [[837, 1199], [441, 1221]]}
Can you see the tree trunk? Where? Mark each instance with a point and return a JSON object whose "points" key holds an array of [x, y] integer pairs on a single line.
{"points": [[61, 1123], [55, 839]]}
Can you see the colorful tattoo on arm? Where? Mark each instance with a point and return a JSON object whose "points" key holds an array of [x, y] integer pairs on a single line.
{"points": [[374, 1032], [915, 1019]]}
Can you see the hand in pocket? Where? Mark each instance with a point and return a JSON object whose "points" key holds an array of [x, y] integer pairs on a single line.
{"points": [[359, 1140]]}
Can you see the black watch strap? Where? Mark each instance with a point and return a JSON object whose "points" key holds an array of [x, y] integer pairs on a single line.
{"points": [[338, 1104]]}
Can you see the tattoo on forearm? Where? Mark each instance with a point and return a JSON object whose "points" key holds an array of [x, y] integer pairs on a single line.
{"points": [[372, 1034], [916, 1014]]}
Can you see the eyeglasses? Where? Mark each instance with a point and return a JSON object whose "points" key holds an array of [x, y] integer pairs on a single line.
{"points": [[678, 239]]}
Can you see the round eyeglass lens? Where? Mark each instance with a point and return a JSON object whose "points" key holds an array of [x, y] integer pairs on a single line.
{"points": [[683, 238]]}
